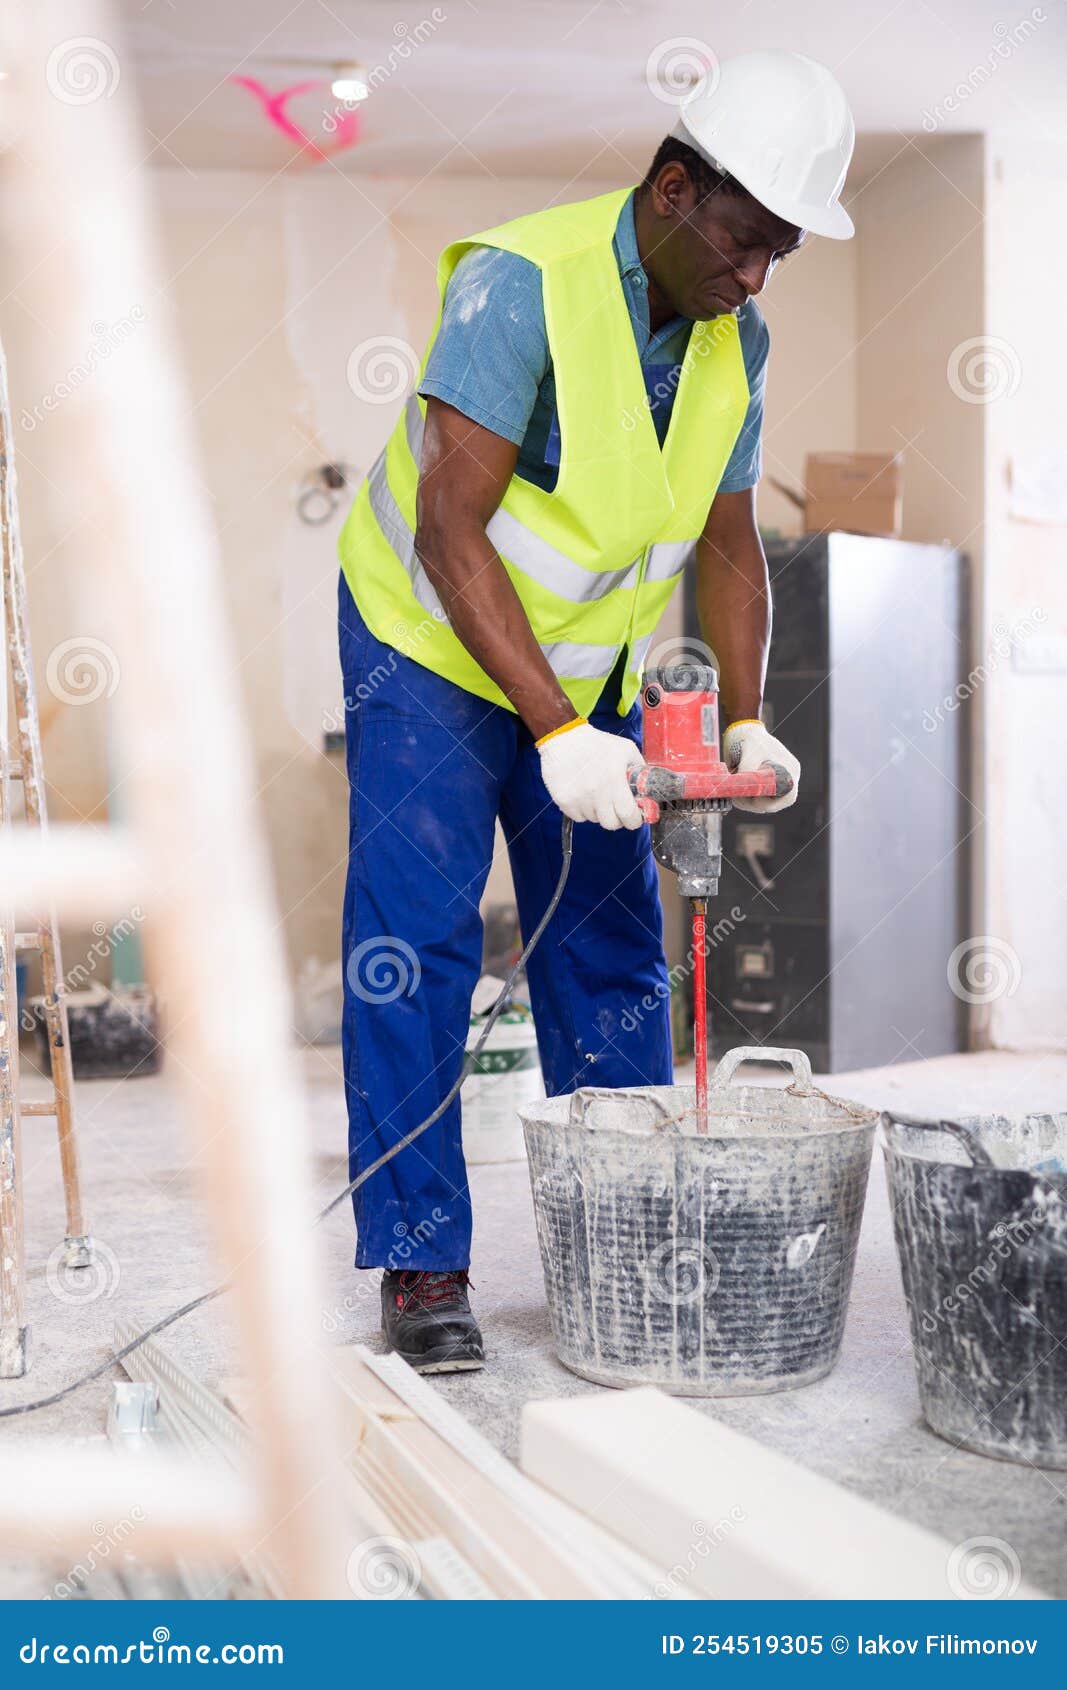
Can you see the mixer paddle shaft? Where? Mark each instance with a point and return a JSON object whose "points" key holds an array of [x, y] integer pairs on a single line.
{"points": [[683, 789], [700, 1008]]}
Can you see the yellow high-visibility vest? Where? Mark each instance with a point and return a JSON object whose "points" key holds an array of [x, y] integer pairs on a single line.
{"points": [[595, 560]]}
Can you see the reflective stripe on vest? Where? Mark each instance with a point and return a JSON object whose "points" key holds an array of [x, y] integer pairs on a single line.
{"points": [[640, 652], [390, 519], [543, 562], [536, 557], [564, 656], [583, 662], [667, 559]]}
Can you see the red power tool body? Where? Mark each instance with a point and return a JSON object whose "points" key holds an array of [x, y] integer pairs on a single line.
{"points": [[683, 791]]}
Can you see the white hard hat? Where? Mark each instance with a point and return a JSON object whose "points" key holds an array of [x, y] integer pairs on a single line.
{"points": [[779, 124]]}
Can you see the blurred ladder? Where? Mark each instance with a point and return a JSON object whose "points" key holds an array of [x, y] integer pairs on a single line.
{"points": [[151, 575], [27, 766]]}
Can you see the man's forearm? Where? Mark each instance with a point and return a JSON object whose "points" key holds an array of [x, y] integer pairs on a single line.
{"points": [[487, 616], [734, 607], [464, 473]]}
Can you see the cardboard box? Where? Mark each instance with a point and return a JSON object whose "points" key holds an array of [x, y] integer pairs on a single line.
{"points": [[859, 492]]}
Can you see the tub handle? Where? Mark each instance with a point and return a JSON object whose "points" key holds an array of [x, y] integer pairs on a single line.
{"points": [[729, 1063], [587, 1098], [968, 1140]]}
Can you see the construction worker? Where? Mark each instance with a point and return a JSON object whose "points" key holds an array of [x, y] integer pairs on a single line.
{"points": [[587, 425]]}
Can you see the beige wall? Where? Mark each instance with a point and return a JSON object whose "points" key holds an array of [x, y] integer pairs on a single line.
{"points": [[1026, 693], [921, 297], [920, 293], [956, 365], [811, 312]]}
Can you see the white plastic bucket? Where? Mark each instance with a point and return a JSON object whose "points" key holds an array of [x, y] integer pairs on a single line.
{"points": [[507, 1079]]}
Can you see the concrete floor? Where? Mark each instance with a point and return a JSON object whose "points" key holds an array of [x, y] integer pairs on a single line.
{"points": [[861, 1426]]}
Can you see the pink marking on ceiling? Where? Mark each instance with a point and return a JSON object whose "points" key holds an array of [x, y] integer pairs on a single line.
{"points": [[345, 121]]}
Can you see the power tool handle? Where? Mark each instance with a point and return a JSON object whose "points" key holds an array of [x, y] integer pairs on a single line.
{"points": [[652, 786], [783, 780], [647, 805]]}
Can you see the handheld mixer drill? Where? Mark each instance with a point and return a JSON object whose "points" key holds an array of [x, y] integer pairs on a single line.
{"points": [[683, 792]]}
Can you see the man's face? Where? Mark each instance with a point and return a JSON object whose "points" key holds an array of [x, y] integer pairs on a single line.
{"points": [[709, 255]]}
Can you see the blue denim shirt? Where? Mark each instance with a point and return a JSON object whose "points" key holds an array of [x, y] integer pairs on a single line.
{"points": [[491, 359]]}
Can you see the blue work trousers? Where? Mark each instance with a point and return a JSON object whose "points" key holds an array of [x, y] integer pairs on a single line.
{"points": [[431, 767]]}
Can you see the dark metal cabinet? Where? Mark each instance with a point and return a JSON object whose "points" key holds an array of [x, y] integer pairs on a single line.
{"points": [[853, 899]]}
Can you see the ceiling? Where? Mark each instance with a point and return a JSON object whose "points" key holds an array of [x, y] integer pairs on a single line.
{"points": [[559, 87]]}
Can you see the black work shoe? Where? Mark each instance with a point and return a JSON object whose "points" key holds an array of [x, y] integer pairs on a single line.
{"points": [[427, 1320]]}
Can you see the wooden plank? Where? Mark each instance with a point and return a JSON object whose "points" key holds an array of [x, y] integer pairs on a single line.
{"points": [[385, 1514], [57, 1498], [727, 1517], [511, 1552], [80, 870], [616, 1570], [384, 1431]]}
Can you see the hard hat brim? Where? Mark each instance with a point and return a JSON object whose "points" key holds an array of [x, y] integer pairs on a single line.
{"points": [[832, 221]]}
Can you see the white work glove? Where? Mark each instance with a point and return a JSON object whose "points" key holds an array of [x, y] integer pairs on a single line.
{"points": [[747, 745], [585, 771]]}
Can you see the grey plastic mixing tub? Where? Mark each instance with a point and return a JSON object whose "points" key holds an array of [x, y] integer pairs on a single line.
{"points": [[980, 1215], [709, 1266]]}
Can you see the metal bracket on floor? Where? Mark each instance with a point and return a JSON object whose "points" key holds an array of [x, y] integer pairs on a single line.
{"points": [[189, 1413], [133, 1414]]}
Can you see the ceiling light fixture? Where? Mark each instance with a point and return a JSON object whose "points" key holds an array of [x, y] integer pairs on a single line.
{"points": [[349, 83]]}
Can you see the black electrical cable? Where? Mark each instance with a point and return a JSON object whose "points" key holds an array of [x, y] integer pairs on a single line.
{"points": [[470, 1060]]}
